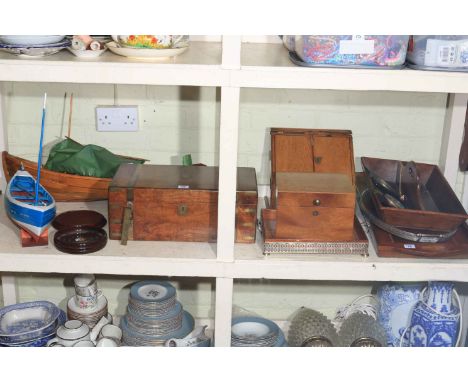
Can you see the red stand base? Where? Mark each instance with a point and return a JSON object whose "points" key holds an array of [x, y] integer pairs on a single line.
{"points": [[28, 240]]}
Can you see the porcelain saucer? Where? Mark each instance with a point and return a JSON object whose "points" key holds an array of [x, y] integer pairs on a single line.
{"points": [[74, 307]]}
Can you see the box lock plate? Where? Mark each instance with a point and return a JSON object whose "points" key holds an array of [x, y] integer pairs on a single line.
{"points": [[182, 209]]}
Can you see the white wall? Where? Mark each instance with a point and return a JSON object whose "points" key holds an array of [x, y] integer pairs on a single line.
{"points": [[179, 120]]}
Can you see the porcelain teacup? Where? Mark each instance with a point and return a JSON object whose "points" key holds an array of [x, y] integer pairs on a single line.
{"points": [[85, 285], [111, 331], [88, 302], [107, 342], [70, 333]]}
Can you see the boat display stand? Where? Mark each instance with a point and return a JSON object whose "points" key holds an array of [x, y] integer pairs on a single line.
{"points": [[28, 240]]}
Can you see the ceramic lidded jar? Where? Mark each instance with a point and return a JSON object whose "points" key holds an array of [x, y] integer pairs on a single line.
{"points": [[435, 319], [70, 333]]}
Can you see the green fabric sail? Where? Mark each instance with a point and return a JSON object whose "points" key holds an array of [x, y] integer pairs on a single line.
{"points": [[71, 157]]}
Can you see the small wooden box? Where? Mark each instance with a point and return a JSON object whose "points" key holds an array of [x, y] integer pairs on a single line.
{"points": [[319, 207], [310, 151], [178, 203], [313, 184]]}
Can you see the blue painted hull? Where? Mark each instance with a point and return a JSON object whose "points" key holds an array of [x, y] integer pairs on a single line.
{"points": [[21, 207]]}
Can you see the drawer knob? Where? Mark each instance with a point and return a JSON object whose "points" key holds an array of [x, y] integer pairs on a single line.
{"points": [[182, 209], [316, 202]]}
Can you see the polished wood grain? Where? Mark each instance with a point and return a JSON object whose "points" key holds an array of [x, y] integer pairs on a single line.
{"points": [[269, 224], [310, 151], [178, 203]]}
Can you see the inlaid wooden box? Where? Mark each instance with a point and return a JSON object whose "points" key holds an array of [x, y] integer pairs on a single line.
{"points": [[177, 203]]}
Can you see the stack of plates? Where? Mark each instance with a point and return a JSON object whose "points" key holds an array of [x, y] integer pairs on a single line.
{"points": [[256, 332], [33, 46], [154, 315], [89, 316], [29, 324]]}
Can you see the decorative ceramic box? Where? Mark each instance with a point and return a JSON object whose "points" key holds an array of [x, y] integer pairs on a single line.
{"points": [[177, 203]]}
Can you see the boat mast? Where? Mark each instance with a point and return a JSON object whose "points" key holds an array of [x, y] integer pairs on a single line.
{"points": [[39, 160]]}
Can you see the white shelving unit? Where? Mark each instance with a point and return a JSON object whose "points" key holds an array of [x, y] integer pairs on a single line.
{"points": [[230, 65]]}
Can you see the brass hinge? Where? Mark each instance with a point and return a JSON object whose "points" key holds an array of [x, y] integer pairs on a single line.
{"points": [[127, 224]]}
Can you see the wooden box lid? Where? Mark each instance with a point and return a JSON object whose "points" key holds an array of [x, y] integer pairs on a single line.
{"points": [[314, 189], [179, 177], [310, 151]]}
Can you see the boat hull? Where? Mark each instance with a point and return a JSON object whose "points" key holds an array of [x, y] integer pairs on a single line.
{"points": [[63, 187], [29, 216]]}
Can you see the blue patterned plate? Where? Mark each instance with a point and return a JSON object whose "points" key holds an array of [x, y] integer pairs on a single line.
{"points": [[27, 321], [152, 291], [136, 316], [133, 338], [253, 331]]}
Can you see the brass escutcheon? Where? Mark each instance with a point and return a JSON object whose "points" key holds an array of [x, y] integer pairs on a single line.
{"points": [[182, 209]]}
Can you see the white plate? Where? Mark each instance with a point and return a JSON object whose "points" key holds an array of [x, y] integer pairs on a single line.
{"points": [[87, 53], [101, 304], [141, 53], [250, 329], [31, 40]]}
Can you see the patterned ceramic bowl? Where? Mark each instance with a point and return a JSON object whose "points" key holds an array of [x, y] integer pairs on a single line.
{"points": [[27, 321], [40, 341]]}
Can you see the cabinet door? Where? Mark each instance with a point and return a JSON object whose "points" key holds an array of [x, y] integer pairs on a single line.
{"points": [[293, 153], [333, 154]]}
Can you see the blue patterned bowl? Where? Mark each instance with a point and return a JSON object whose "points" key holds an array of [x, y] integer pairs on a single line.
{"points": [[42, 341], [27, 321]]}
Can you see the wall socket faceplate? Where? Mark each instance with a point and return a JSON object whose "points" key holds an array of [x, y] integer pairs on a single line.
{"points": [[117, 118]]}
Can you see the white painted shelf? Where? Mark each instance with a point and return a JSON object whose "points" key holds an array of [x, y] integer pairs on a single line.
{"points": [[269, 66], [165, 258], [136, 258], [200, 65], [251, 263]]}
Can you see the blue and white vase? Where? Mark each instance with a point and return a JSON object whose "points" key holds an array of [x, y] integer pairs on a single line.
{"points": [[397, 301], [435, 320]]}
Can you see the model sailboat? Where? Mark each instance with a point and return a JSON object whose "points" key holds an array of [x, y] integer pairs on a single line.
{"points": [[27, 203]]}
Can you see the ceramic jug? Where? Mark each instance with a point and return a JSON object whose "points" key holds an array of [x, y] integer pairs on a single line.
{"points": [[435, 319], [397, 301]]}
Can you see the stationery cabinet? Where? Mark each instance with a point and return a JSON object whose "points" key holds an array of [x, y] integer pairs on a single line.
{"points": [[232, 65]]}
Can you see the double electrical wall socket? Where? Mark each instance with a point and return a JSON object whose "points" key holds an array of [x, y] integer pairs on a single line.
{"points": [[117, 118]]}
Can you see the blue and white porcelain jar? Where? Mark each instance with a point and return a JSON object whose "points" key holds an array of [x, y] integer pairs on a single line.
{"points": [[435, 320], [397, 301]]}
